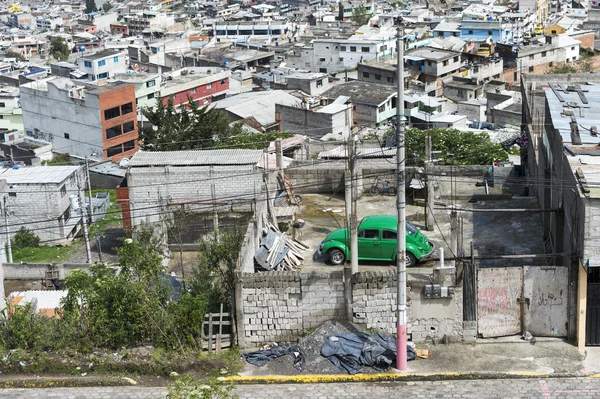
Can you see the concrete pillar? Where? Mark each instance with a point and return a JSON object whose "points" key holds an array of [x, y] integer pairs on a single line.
{"points": [[348, 294]]}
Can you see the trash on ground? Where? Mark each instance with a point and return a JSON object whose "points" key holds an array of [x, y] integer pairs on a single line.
{"points": [[423, 353], [351, 352], [278, 252], [261, 357]]}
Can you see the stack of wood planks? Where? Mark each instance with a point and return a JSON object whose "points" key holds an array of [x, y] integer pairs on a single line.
{"points": [[279, 252]]}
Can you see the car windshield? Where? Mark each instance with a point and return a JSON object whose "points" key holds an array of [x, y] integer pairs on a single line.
{"points": [[410, 228]]}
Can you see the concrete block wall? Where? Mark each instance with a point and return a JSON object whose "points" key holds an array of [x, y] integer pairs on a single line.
{"points": [[322, 298], [279, 306], [272, 308]]}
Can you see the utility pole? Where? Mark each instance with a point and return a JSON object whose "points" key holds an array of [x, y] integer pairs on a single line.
{"points": [[82, 207], [401, 341], [353, 218], [430, 193], [348, 191], [8, 244], [89, 184]]}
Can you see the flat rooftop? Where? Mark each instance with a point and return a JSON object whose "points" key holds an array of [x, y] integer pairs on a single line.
{"points": [[38, 174]]}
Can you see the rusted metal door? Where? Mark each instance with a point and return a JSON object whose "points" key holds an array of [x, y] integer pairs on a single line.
{"points": [[545, 291], [498, 296]]}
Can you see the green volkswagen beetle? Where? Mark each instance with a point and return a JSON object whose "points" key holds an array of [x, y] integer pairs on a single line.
{"points": [[377, 241]]}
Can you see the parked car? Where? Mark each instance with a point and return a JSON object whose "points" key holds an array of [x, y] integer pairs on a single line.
{"points": [[377, 241]]}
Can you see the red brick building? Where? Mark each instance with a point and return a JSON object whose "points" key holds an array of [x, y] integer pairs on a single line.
{"points": [[201, 88]]}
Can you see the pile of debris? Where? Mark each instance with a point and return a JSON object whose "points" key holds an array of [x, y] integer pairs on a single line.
{"points": [[279, 252]]}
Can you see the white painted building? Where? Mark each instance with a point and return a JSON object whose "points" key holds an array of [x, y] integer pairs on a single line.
{"points": [[103, 64], [43, 199], [11, 115], [147, 86]]}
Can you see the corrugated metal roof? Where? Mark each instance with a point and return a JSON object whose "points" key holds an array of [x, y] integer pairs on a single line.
{"points": [[374, 152], [586, 115], [195, 157], [38, 174]]}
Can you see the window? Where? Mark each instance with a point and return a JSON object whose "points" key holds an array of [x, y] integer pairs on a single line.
{"points": [[365, 49], [390, 80], [151, 83], [366, 74], [1, 116], [550, 64], [12, 194], [389, 235], [531, 57], [445, 63], [377, 77], [128, 146], [543, 53], [553, 32], [113, 132], [128, 127], [342, 48], [470, 32], [341, 59], [87, 64], [319, 83], [126, 109], [428, 63], [63, 191], [382, 108], [103, 75], [573, 48], [150, 96], [116, 59], [67, 136], [101, 62], [322, 59], [2, 105], [112, 113], [353, 49], [456, 59], [193, 91], [115, 150], [515, 76], [307, 64], [530, 69], [209, 85], [372, 234], [410, 228], [489, 32]]}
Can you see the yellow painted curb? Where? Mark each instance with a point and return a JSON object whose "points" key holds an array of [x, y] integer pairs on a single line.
{"points": [[594, 376], [312, 379]]}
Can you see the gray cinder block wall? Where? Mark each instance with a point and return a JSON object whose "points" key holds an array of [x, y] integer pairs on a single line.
{"points": [[282, 306]]}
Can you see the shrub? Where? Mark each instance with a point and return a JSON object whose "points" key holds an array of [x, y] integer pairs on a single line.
{"points": [[25, 238]]}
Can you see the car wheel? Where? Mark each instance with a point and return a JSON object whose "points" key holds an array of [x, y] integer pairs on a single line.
{"points": [[411, 260], [373, 191], [337, 257]]}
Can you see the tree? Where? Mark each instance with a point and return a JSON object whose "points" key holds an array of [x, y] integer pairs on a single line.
{"points": [[59, 49], [107, 7], [468, 148], [360, 15], [193, 127], [14, 54], [90, 6]]}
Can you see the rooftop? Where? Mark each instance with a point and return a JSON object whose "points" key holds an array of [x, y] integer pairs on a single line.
{"points": [[38, 174], [195, 158], [362, 92], [102, 54]]}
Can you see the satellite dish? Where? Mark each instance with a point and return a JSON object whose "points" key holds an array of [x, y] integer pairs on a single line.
{"points": [[123, 163]]}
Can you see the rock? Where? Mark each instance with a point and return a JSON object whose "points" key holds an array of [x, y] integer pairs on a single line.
{"points": [[174, 374]]}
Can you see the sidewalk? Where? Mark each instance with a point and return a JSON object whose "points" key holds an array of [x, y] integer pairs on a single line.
{"points": [[509, 358]]}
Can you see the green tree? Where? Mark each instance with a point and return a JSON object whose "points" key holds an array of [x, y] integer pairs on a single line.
{"points": [[59, 49], [90, 6], [25, 238], [14, 54], [360, 15], [468, 148], [562, 68], [106, 7]]}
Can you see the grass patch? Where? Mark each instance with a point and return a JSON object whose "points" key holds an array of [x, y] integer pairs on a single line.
{"points": [[113, 217], [45, 253]]}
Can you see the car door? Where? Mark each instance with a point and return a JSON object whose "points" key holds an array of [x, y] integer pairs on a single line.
{"points": [[388, 244], [369, 244]]}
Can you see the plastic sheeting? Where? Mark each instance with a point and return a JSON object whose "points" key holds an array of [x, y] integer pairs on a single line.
{"points": [[352, 352], [261, 357]]}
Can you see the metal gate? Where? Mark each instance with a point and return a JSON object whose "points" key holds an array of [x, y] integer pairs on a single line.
{"points": [[515, 299], [592, 322], [498, 311]]}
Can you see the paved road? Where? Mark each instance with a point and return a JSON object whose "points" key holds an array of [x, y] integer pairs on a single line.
{"points": [[552, 388]]}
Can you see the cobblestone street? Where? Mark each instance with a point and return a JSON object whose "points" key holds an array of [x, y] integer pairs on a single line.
{"points": [[552, 388]]}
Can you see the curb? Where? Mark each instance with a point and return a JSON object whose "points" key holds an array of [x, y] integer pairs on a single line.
{"points": [[396, 377], [67, 382]]}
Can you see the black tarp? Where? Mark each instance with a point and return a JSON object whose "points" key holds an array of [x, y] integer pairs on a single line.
{"points": [[351, 352], [261, 357]]}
